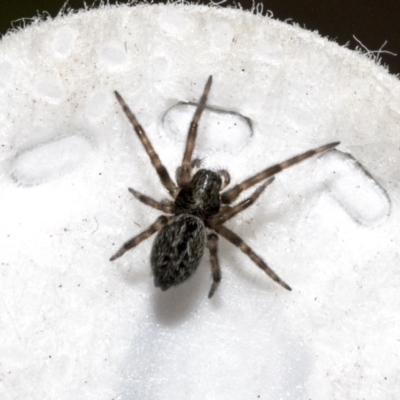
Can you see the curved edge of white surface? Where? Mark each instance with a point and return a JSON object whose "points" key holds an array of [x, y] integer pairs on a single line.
{"points": [[75, 325]]}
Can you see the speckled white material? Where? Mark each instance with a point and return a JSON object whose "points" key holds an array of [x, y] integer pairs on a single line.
{"points": [[76, 326]]}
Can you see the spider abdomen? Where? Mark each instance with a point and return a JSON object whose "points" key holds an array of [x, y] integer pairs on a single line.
{"points": [[177, 251]]}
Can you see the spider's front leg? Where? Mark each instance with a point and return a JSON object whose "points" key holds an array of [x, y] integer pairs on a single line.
{"points": [[231, 194], [229, 212], [154, 158], [153, 228], [178, 173], [226, 178], [185, 171]]}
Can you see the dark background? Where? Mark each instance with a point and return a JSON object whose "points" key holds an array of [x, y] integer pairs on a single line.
{"points": [[372, 21]]}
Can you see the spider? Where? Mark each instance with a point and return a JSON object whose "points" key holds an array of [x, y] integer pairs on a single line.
{"points": [[198, 211]]}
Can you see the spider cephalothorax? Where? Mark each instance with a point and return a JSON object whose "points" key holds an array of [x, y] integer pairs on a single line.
{"points": [[200, 197], [198, 211]]}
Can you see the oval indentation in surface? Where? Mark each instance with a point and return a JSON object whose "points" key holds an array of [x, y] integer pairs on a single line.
{"points": [[50, 160], [113, 55], [49, 88], [355, 188], [64, 41], [218, 130]]}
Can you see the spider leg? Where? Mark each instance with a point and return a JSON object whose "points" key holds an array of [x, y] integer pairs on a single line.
{"points": [[155, 160], [185, 171], [153, 228], [231, 194], [166, 206], [224, 174], [238, 241], [228, 212], [178, 174], [212, 244], [196, 163]]}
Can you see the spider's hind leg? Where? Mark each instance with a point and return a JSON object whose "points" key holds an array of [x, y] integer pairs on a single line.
{"points": [[238, 241], [212, 244]]}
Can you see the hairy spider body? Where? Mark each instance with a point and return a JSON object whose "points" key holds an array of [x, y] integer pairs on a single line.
{"points": [[199, 210], [179, 246], [177, 251]]}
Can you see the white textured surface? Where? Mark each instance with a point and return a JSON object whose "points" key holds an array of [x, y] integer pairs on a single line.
{"points": [[75, 326]]}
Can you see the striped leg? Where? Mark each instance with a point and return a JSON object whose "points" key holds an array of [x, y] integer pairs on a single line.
{"points": [[155, 160], [238, 241], [231, 194], [153, 228], [185, 171]]}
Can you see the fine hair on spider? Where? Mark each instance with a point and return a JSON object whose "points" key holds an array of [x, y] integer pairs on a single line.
{"points": [[196, 215]]}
